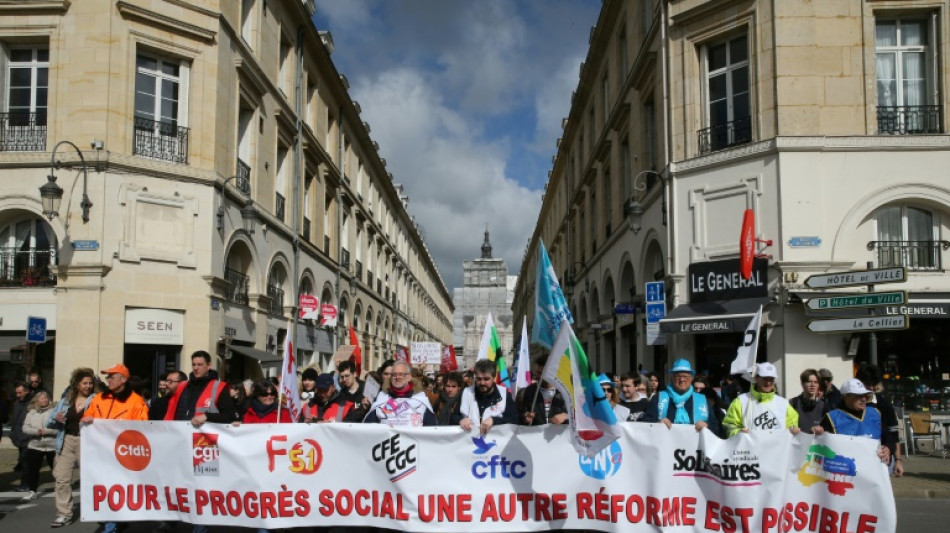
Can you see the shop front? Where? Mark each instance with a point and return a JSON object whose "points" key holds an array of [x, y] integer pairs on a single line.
{"points": [[153, 341]]}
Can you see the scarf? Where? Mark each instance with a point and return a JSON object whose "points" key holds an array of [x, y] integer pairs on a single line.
{"points": [[679, 400], [260, 409], [447, 406], [403, 392]]}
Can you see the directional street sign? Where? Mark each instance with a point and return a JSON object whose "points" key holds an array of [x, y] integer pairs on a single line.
{"points": [[859, 277], [656, 291], [861, 323], [849, 301]]}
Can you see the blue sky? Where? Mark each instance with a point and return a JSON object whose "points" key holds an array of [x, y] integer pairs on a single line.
{"points": [[465, 99]]}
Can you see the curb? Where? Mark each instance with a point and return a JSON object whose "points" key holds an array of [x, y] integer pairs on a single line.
{"points": [[922, 493]]}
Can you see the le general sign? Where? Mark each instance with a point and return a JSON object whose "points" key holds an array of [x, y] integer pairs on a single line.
{"points": [[720, 280], [154, 326]]}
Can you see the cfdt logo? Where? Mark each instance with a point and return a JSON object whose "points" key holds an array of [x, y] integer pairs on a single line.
{"points": [[205, 453], [495, 466], [603, 465], [398, 454], [132, 450], [304, 457]]}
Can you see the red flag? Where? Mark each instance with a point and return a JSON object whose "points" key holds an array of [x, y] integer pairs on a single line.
{"points": [[402, 354], [357, 356], [449, 364], [747, 244]]}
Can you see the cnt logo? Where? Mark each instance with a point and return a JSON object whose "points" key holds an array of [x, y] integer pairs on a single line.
{"points": [[822, 464], [132, 450], [398, 454], [495, 466], [205, 453], [603, 465]]}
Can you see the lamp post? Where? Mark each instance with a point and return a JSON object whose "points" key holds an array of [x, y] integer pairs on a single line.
{"points": [[632, 209], [248, 213], [570, 280], [52, 194]]}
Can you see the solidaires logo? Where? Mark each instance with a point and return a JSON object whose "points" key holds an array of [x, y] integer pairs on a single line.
{"points": [[132, 450]]}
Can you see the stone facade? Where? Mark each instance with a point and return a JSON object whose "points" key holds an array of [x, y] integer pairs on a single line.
{"points": [[228, 171]]}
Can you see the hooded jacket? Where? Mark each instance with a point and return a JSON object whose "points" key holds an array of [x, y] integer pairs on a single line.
{"points": [[123, 405]]}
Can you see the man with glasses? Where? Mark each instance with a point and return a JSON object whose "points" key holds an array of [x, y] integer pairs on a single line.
{"points": [[830, 394], [761, 408], [678, 403], [403, 403], [159, 406], [351, 388], [486, 401]]}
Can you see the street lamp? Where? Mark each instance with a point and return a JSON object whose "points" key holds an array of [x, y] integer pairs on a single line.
{"points": [[52, 194], [570, 280], [248, 213], [632, 209]]}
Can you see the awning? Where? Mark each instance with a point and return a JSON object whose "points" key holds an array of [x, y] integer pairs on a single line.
{"points": [[712, 317], [254, 353]]}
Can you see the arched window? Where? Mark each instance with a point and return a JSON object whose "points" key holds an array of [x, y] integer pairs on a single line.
{"points": [[27, 253], [275, 289], [908, 236]]}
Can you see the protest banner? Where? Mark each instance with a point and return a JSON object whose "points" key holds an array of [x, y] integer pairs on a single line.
{"points": [[425, 353], [512, 479]]}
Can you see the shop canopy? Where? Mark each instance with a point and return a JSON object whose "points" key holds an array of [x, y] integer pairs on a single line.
{"points": [[712, 317], [254, 353]]}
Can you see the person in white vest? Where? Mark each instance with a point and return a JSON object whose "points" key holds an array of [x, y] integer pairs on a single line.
{"points": [[487, 401], [402, 404], [761, 408]]}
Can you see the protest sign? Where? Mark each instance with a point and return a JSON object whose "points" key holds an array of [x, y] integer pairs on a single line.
{"points": [[425, 353]]}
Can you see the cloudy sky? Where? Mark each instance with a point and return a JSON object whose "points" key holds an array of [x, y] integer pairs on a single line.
{"points": [[465, 99]]}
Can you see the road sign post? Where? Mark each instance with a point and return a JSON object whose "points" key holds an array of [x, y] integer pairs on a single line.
{"points": [[655, 311]]}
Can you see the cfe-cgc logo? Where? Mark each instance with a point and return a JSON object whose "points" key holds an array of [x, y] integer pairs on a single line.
{"points": [[823, 465], [205, 453], [398, 454], [132, 450], [603, 465]]}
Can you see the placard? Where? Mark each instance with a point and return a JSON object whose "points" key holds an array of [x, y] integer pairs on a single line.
{"points": [[425, 353]]}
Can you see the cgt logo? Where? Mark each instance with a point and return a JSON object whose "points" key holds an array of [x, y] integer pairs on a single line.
{"points": [[132, 450], [305, 457], [603, 465], [399, 454], [496, 465], [205, 453]]}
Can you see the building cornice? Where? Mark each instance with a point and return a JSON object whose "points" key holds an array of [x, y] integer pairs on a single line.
{"points": [[130, 11]]}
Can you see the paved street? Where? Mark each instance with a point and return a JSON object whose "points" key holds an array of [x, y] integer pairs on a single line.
{"points": [[923, 499]]}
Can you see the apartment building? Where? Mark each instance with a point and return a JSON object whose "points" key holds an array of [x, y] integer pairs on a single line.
{"points": [[211, 168], [825, 118]]}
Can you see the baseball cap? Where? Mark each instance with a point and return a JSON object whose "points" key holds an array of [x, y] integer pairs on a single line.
{"points": [[604, 379], [824, 373], [117, 369], [854, 386], [325, 381], [766, 370], [682, 365]]}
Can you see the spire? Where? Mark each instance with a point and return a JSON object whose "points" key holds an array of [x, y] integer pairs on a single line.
{"points": [[486, 246]]}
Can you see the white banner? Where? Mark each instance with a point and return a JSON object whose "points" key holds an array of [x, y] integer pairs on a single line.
{"points": [[514, 479], [425, 353]]}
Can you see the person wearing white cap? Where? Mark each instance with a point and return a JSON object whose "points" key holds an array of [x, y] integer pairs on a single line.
{"points": [[856, 418], [761, 408], [678, 403]]}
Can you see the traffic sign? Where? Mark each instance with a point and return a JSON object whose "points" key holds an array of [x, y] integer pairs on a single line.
{"points": [[656, 291], [858, 277], [656, 312], [848, 301], [626, 308], [35, 329], [861, 323]]}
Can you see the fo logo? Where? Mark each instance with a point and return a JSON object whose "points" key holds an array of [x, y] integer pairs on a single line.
{"points": [[603, 465], [132, 450]]}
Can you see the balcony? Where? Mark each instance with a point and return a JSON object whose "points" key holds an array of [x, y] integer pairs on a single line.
{"points": [[276, 295], [160, 140], [723, 136], [344, 257], [359, 269], [23, 132], [243, 176], [238, 284], [913, 255], [305, 230], [279, 203], [908, 120], [27, 268]]}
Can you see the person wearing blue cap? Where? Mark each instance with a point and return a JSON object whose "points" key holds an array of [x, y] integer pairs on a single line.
{"points": [[678, 403]]}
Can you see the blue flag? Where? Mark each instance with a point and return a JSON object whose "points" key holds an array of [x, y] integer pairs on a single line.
{"points": [[550, 306]]}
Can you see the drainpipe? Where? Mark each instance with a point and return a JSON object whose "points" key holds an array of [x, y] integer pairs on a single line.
{"points": [[295, 190], [339, 224]]}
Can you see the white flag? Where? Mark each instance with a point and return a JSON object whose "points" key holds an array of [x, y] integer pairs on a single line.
{"points": [[744, 362], [486, 340], [288, 380], [523, 379]]}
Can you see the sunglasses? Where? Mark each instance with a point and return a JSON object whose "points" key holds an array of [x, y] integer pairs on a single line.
{"points": [[271, 394]]}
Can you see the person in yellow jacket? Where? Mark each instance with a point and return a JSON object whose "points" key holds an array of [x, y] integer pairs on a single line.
{"points": [[761, 408], [119, 402]]}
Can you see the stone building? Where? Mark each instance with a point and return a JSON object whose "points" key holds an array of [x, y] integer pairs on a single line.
{"points": [[825, 118], [216, 169], [487, 288]]}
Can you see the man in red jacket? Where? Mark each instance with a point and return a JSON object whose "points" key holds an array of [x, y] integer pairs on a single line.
{"points": [[328, 406], [203, 398]]}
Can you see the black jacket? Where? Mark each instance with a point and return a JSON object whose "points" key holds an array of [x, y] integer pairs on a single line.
{"points": [[18, 416], [189, 398], [528, 404]]}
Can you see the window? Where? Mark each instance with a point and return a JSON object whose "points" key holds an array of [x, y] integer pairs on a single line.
{"points": [[905, 81], [27, 254], [605, 90], [286, 70], [23, 125], [626, 169], [160, 87], [593, 219], [728, 112], [280, 187], [606, 194], [908, 236], [647, 16], [245, 131], [622, 54]]}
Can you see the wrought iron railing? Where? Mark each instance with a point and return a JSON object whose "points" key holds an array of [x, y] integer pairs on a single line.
{"points": [[243, 177], [908, 120], [160, 140], [359, 269], [27, 268], [276, 300], [912, 255], [279, 202], [306, 229], [238, 286], [22, 131], [722, 136]]}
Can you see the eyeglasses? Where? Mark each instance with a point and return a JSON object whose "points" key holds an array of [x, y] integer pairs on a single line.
{"points": [[172, 381], [399, 374]]}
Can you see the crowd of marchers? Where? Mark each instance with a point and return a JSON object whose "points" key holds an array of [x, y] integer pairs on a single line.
{"points": [[398, 395]]}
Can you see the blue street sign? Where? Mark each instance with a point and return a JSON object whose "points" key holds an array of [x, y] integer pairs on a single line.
{"points": [[624, 309], [655, 312], [35, 329], [656, 291], [88, 246], [804, 242]]}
